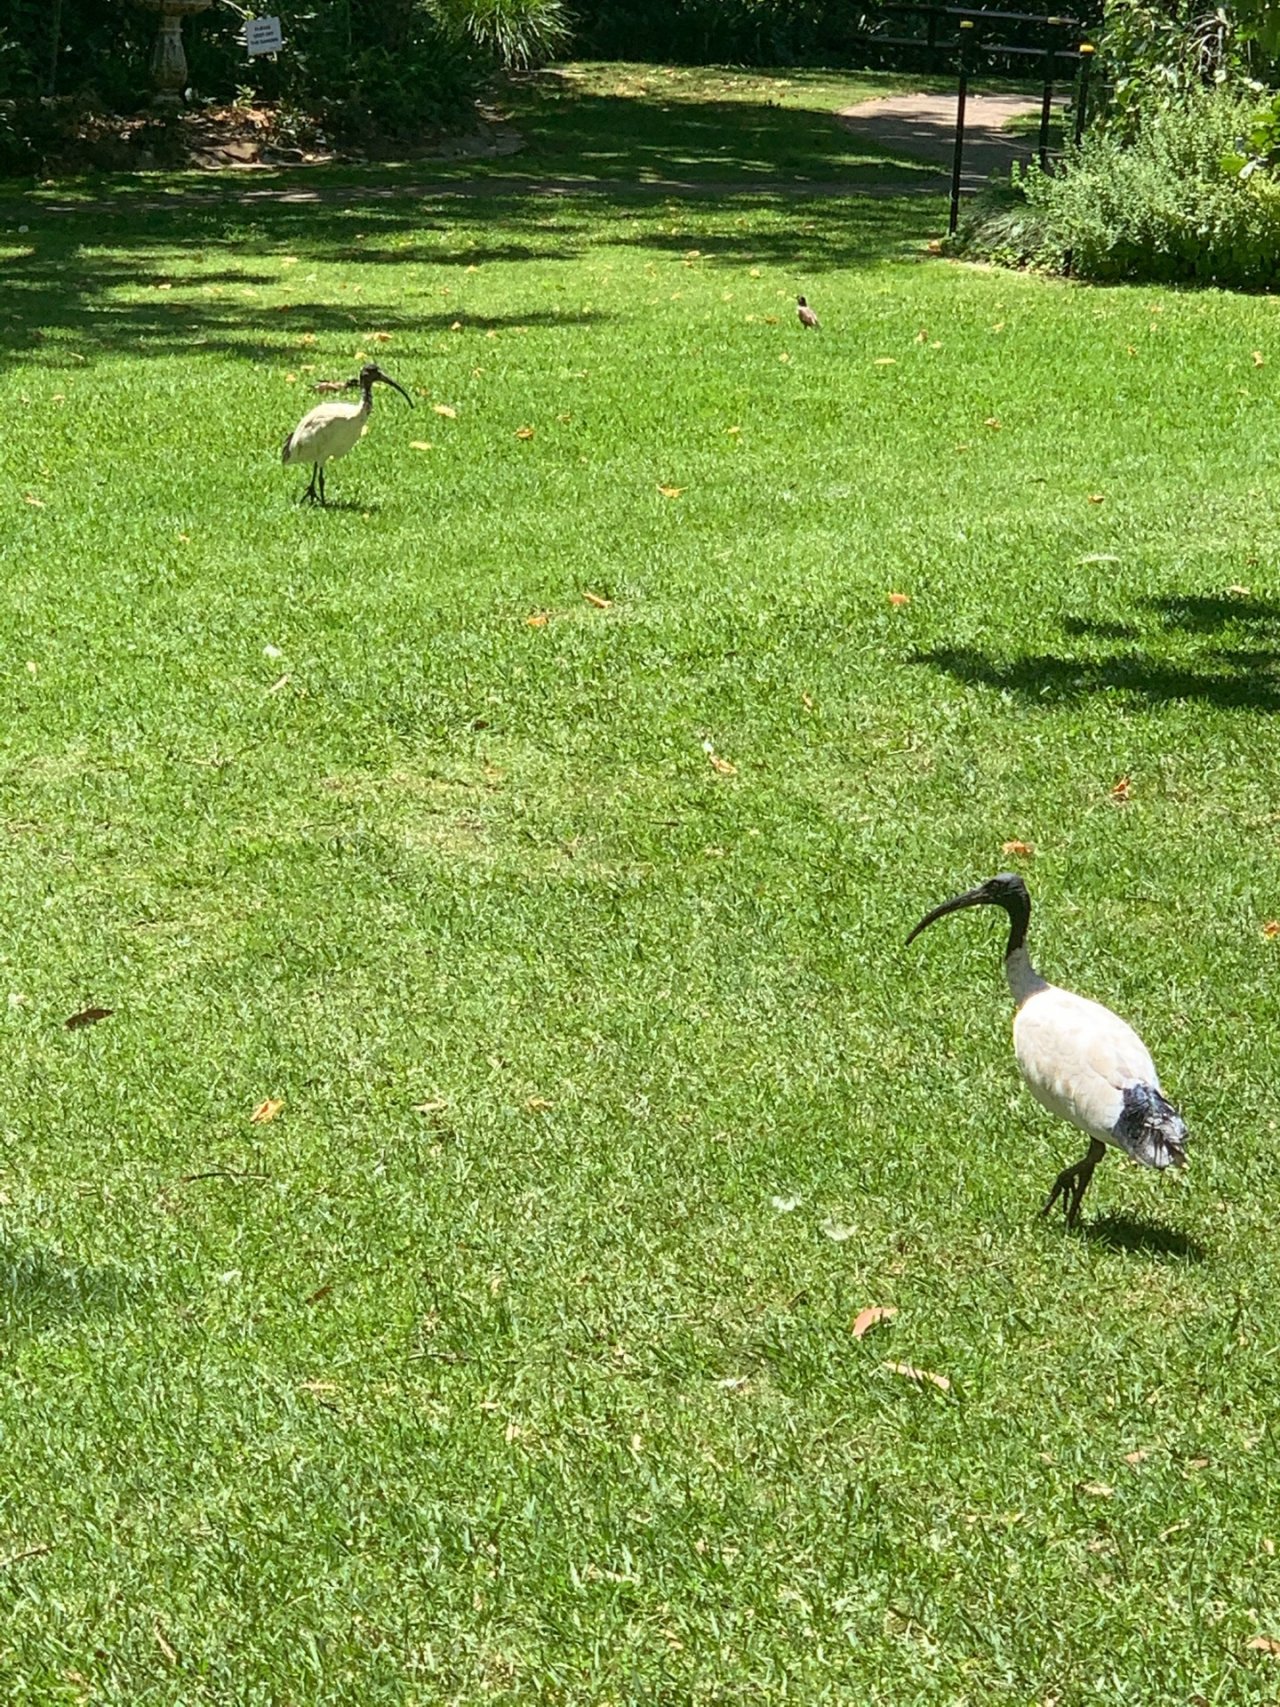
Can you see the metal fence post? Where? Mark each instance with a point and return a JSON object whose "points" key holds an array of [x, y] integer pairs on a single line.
{"points": [[953, 217], [1082, 99]]}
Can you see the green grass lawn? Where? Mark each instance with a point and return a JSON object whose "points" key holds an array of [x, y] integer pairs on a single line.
{"points": [[512, 1359]]}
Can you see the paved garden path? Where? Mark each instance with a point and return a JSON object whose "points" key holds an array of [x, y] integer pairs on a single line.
{"points": [[923, 127]]}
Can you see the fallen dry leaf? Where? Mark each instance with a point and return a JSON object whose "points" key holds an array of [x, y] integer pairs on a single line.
{"points": [[866, 1319], [539, 619], [319, 1293], [1264, 1644], [420, 444], [266, 1110], [1196, 1464], [671, 491], [444, 409], [163, 1646], [1098, 1490], [1271, 929], [1023, 850], [88, 1016], [885, 361], [911, 1373], [992, 422], [524, 432], [381, 337], [1121, 790], [898, 599], [598, 601], [1097, 498], [1258, 358], [1136, 1457], [456, 327], [837, 1231], [30, 498], [725, 766], [1239, 592], [433, 1107], [537, 1105]]}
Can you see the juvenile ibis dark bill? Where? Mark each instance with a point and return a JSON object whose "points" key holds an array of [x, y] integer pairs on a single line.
{"points": [[806, 316], [1078, 1058], [330, 430]]}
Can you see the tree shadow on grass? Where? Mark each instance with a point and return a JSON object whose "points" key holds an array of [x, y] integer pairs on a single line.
{"points": [[40, 1289], [1229, 646], [1145, 1238], [85, 291], [750, 178]]}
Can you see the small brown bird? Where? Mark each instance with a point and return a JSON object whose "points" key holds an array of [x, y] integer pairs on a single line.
{"points": [[806, 315]]}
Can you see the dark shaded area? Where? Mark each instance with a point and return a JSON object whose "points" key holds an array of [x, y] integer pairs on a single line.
{"points": [[40, 1289], [1221, 650], [1146, 1238]]}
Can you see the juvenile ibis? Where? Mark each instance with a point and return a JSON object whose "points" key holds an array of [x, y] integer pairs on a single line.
{"points": [[332, 429], [1078, 1058], [806, 316]]}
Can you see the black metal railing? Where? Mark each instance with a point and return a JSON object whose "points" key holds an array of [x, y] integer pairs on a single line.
{"points": [[1054, 47]]}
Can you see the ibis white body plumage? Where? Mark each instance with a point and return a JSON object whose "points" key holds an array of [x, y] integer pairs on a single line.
{"points": [[1080, 1060], [330, 430]]}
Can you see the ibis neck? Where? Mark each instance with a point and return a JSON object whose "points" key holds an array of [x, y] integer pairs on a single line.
{"points": [[366, 395], [1023, 978]]}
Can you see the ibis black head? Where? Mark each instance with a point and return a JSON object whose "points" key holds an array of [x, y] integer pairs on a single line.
{"points": [[1005, 890], [801, 303], [370, 374]]}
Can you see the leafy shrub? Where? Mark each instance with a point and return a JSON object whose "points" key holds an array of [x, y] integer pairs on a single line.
{"points": [[1162, 208], [1157, 55], [517, 33], [359, 68]]}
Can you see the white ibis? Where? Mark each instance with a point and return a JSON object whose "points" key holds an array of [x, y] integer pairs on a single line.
{"points": [[1078, 1058], [806, 316], [332, 429]]}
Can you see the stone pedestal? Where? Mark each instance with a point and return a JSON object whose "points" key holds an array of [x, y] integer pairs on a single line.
{"points": [[168, 60]]}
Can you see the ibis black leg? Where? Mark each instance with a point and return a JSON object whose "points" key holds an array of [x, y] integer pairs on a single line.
{"points": [[310, 496], [1072, 1183], [320, 471]]}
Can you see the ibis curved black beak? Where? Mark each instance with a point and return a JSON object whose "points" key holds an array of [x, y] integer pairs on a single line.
{"points": [[387, 380], [971, 898]]}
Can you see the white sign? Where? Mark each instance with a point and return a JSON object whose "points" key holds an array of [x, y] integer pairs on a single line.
{"points": [[263, 35]]}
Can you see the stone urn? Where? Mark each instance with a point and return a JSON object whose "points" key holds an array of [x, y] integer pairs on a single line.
{"points": [[168, 60]]}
